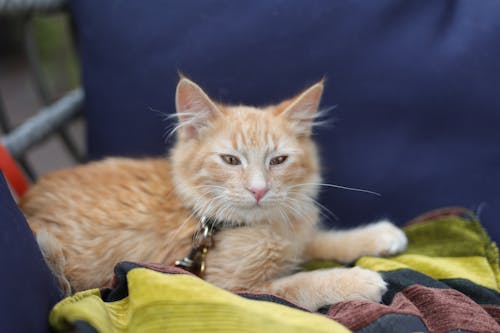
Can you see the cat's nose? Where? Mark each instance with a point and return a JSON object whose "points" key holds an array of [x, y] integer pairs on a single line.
{"points": [[258, 193]]}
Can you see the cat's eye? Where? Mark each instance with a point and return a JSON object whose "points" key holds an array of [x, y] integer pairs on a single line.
{"points": [[278, 160], [230, 159]]}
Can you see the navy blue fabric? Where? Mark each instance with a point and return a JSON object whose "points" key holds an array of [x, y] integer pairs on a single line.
{"points": [[416, 85], [28, 288]]}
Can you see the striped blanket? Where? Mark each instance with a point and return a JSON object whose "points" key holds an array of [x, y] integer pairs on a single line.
{"points": [[446, 281]]}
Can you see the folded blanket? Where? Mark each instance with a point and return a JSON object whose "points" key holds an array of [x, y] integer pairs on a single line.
{"points": [[447, 280]]}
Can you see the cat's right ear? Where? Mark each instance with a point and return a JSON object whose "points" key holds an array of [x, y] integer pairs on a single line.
{"points": [[194, 108]]}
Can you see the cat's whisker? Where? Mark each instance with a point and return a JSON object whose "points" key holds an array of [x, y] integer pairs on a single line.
{"points": [[182, 226], [294, 212], [206, 208], [324, 211], [329, 214], [162, 114], [323, 116], [294, 209], [288, 223], [166, 117], [224, 216], [209, 206], [210, 189], [208, 194], [219, 209], [339, 187], [283, 215], [210, 186], [183, 119], [216, 211]]}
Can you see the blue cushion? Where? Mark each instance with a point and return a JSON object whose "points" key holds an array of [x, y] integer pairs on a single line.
{"points": [[28, 288], [415, 84]]}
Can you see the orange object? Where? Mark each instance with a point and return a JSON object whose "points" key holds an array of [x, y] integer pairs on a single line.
{"points": [[12, 173]]}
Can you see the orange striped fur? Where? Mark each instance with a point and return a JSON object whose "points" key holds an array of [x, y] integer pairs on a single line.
{"points": [[257, 167]]}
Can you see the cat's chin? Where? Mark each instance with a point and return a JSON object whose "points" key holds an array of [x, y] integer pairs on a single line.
{"points": [[256, 213], [257, 208]]}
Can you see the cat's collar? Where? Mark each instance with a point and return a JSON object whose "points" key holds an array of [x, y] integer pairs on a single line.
{"points": [[203, 240]]}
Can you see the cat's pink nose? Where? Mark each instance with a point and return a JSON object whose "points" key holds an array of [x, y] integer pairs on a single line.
{"points": [[258, 193]]}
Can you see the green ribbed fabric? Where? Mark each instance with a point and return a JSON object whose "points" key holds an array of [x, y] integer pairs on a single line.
{"points": [[182, 303]]}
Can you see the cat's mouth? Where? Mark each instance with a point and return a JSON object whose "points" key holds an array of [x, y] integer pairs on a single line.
{"points": [[244, 209], [260, 204], [247, 212], [258, 209]]}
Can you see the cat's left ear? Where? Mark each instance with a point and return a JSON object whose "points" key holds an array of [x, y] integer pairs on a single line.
{"points": [[302, 110]]}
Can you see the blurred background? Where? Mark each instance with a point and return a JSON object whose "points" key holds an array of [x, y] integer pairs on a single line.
{"points": [[415, 84], [26, 86]]}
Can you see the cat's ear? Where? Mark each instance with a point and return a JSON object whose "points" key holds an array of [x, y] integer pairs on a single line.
{"points": [[194, 108], [302, 110]]}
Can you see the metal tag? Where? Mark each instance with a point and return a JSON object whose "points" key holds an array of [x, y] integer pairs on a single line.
{"points": [[195, 262]]}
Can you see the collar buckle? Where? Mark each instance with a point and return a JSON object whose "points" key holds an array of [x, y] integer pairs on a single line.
{"points": [[195, 262]]}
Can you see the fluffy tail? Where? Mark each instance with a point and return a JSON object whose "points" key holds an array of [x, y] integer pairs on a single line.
{"points": [[54, 257]]}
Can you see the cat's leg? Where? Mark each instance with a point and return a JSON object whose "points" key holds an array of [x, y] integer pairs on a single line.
{"points": [[257, 260], [377, 239], [314, 289]]}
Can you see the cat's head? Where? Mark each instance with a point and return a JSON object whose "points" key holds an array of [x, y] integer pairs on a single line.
{"points": [[246, 164]]}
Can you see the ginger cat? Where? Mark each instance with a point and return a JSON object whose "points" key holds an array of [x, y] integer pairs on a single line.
{"points": [[257, 168]]}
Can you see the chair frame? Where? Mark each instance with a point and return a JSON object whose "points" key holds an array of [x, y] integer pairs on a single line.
{"points": [[56, 114]]}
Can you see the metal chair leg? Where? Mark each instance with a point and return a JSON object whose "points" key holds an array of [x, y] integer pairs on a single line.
{"points": [[42, 87]]}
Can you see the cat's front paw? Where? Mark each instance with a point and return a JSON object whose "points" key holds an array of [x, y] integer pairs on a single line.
{"points": [[357, 284], [388, 239], [371, 285]]}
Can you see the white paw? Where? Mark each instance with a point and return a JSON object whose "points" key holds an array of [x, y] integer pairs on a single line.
{"points": [[388, 238], [370, 284], [349, 284]]}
